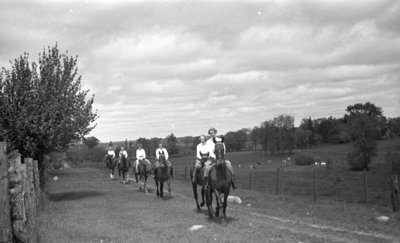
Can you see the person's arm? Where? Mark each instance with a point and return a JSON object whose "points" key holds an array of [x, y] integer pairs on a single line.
{"points": [[144, 154], [158, 154], [113, 154], [166, 154], [137, 154]]}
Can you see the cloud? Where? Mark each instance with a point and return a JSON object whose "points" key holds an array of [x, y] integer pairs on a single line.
{"points": [[230, 64]]}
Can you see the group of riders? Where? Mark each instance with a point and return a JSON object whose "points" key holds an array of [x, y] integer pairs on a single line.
{"points": [[205, 156]]}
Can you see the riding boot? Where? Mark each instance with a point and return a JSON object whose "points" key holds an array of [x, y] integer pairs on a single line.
{"points": [[172, 172], [233, 183]]}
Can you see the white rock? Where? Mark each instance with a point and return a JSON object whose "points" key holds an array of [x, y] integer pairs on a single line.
{"points": [[383, 218], [196, 227], [234, 199]]}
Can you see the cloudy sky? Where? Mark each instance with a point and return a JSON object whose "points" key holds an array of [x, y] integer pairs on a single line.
{"points": [[162, 67]]}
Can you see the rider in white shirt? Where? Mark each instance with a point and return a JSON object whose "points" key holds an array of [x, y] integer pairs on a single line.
{"points": [[202, 149], [210, 142], [110, 155], [163, 151], [141, 155]]}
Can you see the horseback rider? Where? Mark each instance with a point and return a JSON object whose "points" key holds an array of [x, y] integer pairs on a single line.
{"points": [[202, 149], [163, 151], [123, 152], [210, 142], [141, 156], [110, 156]]}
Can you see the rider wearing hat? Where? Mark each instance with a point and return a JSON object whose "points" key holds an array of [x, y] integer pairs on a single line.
{"points": [[210, 142]]}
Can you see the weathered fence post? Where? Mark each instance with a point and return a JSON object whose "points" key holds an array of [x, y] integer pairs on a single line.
{"points": [[365, 186], [37, 181], [395, 192], [31, 201], [250, 180], [277, 181], [315, 183], [5, 216]]}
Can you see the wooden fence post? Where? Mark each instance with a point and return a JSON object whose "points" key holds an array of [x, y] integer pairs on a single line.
{"points": [[277, 181], [395, 192], [315, 183], [365, 186], [5, 214], [250, 180], [37, 181], [31, 201]]}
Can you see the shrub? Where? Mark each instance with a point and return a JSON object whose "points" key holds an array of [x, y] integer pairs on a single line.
{"points": [[304, 159], [361, 154]]}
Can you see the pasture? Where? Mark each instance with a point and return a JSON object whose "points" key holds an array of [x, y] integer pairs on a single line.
{"points": [[335, 181]]}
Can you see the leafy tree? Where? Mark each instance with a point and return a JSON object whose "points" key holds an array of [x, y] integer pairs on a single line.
{"points": [[171, 144], [236, 140], [187, 141], [366, 123], [42, 105], [255, 136], [393, 126], [196, 141], [91, 142], [302, 137]]}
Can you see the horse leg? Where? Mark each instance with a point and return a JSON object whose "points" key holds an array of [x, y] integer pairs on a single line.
{"points": [[226, 194], [218, 199], [158, 192], [202, 197], [161, 189], [145, 184], [169, 187], [194, 185], [209, 203]]}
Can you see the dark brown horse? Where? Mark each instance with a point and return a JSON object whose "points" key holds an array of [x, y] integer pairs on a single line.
{"points": [[110, 163], [162, 174], [142, 175], [124, 166], [199, 180], [219, 182]]}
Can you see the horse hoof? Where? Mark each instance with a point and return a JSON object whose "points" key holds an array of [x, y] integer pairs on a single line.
{"points": [[202, 204]]}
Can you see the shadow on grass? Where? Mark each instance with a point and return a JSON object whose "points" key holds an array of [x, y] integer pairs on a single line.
{"points": [[166, 197], [71, 195]]}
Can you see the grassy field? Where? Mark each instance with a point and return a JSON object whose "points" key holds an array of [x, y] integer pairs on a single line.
{"points": [[335, 181], [84, 205]]}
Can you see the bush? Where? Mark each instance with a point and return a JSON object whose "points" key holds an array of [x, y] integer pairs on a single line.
{"points": [[304, 159], [361, 154], [356, 160]]}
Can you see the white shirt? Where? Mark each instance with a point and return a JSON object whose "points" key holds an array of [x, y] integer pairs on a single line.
{"points": [[111, 152], [124, 153], [204, 148], [140, 154], [162, 151], [211, 143]]}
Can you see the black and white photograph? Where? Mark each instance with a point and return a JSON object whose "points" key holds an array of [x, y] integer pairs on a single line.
{"points": [[199, 121]]}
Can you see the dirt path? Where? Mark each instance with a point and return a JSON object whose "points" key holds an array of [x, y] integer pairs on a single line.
{"points": [[85, 206]]}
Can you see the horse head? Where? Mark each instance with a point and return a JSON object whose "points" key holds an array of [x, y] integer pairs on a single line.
{"points": [[219, 151], [162, 159]]}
